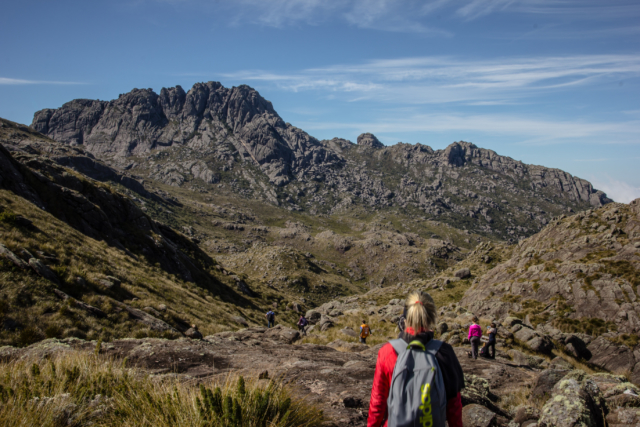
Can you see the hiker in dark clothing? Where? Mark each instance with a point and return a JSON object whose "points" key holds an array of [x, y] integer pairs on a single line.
{"points": [[492, 330], [302, 323], [271, 318], [421, 318]]}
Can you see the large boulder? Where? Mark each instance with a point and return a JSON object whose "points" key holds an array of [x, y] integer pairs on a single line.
{"points": [[285, 335], [545, 382], [313, 316], [575, 401], [576, 347], [6, 253], [477, 416], [610, 356], [463, 273], [193, 333], [477, 391]]}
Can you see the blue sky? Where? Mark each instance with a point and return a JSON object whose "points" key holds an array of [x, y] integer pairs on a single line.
{"points": [[546, 82]]}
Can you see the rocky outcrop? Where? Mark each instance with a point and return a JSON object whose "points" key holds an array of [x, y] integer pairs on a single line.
{"points": [[576, 401], [212, 135], [369, 140], [575, 282], [140, 121]]}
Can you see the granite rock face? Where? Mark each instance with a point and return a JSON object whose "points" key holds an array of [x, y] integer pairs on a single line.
{"points": [[233, 138], [369, 140], [141, 121]]}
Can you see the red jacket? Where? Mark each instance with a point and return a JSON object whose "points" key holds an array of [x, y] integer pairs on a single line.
{"points": [[387, 358]]}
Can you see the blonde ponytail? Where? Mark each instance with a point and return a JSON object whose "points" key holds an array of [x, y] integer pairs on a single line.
{"points": [[421, 311]]}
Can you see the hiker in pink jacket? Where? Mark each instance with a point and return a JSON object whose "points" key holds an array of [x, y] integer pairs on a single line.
{"points": [[475, 332]]}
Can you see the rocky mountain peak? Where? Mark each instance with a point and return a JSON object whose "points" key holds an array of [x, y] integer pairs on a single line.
{"points": [[369, 140], [233, 138]]}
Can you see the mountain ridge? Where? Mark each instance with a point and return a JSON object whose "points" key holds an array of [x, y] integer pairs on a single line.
{"points": [[212, 138]]}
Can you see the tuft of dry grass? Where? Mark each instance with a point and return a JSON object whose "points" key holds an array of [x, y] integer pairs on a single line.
{"points": [[82, 388]]}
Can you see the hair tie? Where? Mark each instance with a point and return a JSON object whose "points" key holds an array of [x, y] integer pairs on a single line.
{"points": [[419, 302]]}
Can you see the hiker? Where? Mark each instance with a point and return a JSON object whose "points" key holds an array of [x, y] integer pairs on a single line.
{"points": [[492, 330], [475, 332], [271, 318], [419, 366], [365, 331], [302, 322]]}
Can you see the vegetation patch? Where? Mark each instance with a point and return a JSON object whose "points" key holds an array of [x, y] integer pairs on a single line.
{"points": [[80, 388]]}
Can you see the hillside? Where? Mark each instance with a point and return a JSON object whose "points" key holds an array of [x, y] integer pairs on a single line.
{"points": [[80, 259], [232, 143]]}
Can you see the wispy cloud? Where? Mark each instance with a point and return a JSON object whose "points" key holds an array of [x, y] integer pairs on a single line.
{"points": [[414, 16], [617, 190], [524, 130], [387, 15], [9, 81], [425, 80]]}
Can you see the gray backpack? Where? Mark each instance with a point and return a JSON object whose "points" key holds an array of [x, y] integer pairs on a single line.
{"points": [[417, 396]]}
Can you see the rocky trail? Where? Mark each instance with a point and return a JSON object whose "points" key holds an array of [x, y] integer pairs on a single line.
{"points": [[340, 382]]}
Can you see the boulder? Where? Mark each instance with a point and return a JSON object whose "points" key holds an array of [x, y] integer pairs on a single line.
{"points": [[286, 335], [43, 270], [193, 333], [509, 322], [575, 401], [477, 391], [6, 253], [313, 316], [545, 382], [477, 416], [82, 305], [525, 334], [519, 358], [463, 273], [540, 344], [108, 284], [153, 323], [559, 363], [576, 347], [525, 413], [610, 356], [326, 326]]}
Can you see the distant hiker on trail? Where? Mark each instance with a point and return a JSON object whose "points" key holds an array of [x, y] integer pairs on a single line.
{"points": [[418, 379], [475, 332], [365, 331], [302, 322], [492, 330], [271, 318]]}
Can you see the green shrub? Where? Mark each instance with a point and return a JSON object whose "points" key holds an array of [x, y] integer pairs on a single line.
{"points": [[8, 218]]}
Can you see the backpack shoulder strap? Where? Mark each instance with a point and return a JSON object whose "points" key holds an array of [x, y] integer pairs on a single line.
{"points": [[433, 346], [399, 345]]}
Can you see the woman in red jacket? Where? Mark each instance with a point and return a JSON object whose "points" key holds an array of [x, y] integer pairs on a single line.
{"points": [[421, 317]]}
